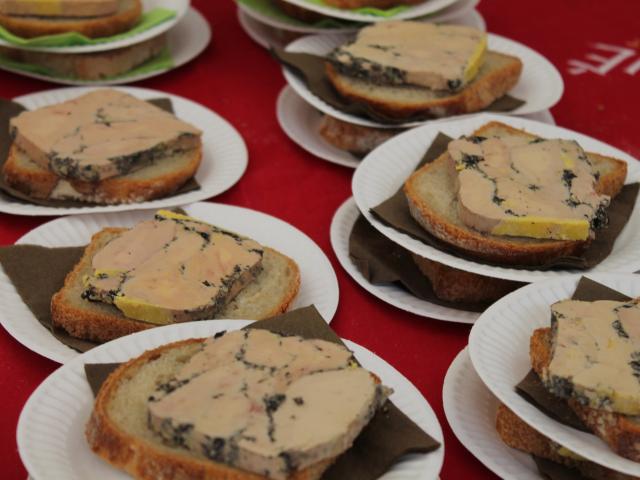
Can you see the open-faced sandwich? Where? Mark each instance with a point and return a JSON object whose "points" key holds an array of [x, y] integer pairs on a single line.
{"points": [[172, 268], [103, 147], [355, 139], [403, 69], [588, 361], [92, 18], [90, 66], [510, 197], [247, 404]]}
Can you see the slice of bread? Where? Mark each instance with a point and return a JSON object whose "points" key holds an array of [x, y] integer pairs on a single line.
{"points": [[161, 178], [454, 285], [299, 13], [124, 19], [355, 139], [371, 3], [517, 434], [91, 66], [117, 430], [269, 294], [620, 432], [431, 195], [499, 74]]}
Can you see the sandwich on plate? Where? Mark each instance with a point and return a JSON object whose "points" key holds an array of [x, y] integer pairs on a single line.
{"points": [[588, 360], [103, 147], [247, 404], [90, 66], [355, 139], [92, 18], [404, 68], [171, 268], [508, 197]]}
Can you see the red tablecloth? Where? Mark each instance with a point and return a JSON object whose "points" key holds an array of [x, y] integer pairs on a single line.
{"points": [[239, 80]]}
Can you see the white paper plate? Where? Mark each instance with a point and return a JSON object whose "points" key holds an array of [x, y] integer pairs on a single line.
{"points": [[426, 8], [341, 226], [179, 6], [385, 170], [186, 41], [260, 27], [301, 122], [224, 155], [499, 350], [540, 84], [318, 283], [267, 36], [471, 410], [50, 433]]}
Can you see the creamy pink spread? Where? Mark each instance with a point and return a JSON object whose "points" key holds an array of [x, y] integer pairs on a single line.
{"points": [[172, 268], [266, 403], [99, 135]]}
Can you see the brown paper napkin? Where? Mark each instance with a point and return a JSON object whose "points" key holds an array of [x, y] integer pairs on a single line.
{"points": [[8, 110], [394, 212], [382, 261], [37, 273], [533, 391], [389, 436], [555, 471], [311, 69]]}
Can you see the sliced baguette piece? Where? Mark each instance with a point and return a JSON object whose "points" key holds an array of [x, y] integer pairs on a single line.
{"points": [[620, 432], [431, 195], [161, 178], [117, 429], [355, 139], [515, 433], [499, 74], [91, 66], [454, 285], [269, 294], [124, 19]]}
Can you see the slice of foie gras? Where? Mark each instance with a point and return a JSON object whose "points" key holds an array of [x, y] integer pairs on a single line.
{"points": [[516, 186], [267, 404], [173, 268], [59, 8], [99, 135]]}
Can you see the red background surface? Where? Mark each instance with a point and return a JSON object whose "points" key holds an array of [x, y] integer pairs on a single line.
{"points": [[238, 79]]}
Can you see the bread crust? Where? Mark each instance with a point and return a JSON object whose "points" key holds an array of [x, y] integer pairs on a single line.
{"points": [[371, 3], [619, 431], [39, 183], [479, 94], [355, 139], [109, 323], [493, 248], [94, 27], [145, 461], [455, 285]]}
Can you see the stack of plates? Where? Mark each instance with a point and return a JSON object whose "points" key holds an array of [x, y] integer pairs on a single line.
{"points": [[300, 112], [186, 35], [383, 172], [269, 26], [485, 373]]}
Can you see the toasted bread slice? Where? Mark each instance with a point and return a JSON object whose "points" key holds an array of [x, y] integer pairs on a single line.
{"points": [[117, 430], [91, 66], [620, 432], [269, 294], [161, 178], [371, 3], [498, 74], [93, 27], [431, 194], [355, 139], [517, 434], [454, 285]]}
